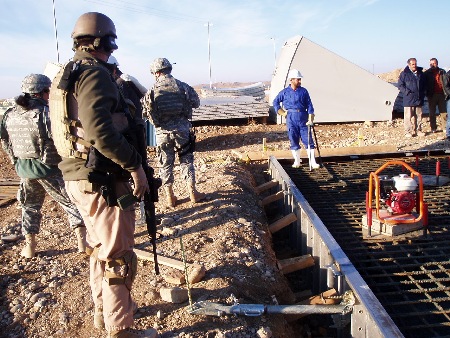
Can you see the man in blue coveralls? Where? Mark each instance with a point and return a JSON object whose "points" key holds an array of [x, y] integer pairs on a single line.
{"points": [[299, 109]]}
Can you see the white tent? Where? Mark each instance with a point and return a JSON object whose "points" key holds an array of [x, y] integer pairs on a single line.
{"points": [[340, 90]]}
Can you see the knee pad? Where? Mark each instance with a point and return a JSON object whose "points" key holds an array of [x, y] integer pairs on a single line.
{"points": [[121, 270]]}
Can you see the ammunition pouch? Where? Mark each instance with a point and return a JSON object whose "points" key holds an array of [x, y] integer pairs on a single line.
{"points": [[121, 270], [189, 146]]}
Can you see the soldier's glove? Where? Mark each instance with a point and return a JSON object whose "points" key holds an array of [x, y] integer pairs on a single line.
{"points": [[282, 112], [310, 120], [140, 183]]}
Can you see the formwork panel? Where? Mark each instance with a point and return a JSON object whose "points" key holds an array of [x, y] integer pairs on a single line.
{"points": [[408, 273]]}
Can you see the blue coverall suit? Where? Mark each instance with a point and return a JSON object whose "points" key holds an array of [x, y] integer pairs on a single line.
{"points": [[298, 105]]}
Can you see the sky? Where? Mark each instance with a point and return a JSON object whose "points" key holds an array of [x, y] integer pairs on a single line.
{"points": [[242, 43]]}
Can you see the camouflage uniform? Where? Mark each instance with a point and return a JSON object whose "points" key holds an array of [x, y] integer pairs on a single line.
{"points": [[169, 105], [27, 141], [168, 141]]}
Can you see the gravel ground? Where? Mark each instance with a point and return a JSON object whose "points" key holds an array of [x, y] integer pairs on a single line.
{"points": [[48, 296]]}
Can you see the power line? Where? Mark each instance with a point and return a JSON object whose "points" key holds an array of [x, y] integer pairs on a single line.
{"points": [[132, 7]]}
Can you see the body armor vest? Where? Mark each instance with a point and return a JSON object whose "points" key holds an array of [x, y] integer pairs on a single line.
{"points": [[29, 133], [67, 129], [170, 101]]}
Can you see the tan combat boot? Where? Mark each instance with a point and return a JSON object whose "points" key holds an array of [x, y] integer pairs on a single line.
{"points": [[81, 238], [170, 196], [99, 322], [130, 333], [29, 250], [194, 195]]}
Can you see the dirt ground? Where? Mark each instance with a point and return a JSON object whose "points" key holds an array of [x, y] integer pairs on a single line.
{"points": [[49, 295]]}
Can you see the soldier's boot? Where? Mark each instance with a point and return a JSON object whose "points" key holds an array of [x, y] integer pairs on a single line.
{"points": [[312, 159], [130, 333], [170, 196], [29, 250], [99, 321], [194, 195], [81, 238], [297, 159]]}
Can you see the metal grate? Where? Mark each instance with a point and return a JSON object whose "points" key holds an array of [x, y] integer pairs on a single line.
{"points": [[410, 275]]}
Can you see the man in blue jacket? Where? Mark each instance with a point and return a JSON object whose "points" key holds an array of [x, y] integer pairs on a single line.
{"points": [[412, 85]]}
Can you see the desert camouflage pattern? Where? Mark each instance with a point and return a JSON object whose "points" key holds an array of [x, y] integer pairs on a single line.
{"points": [[35, 83], [160, 64], [31, 195], [168, 140], [27, 134]]}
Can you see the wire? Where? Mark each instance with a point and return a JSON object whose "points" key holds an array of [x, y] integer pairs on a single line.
{"points": [[132, 7]]}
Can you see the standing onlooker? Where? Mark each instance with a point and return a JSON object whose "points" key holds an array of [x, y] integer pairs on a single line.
{"points": [[446, 87], [168, 106], [26, 138], [99, 122], [300, 117], [435, 92], [412, 86]]}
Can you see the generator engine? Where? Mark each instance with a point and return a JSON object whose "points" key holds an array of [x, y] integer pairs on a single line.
{"points": [[398, 193]]}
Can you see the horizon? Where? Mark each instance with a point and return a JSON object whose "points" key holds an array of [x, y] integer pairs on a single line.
{"points": [[242, 43]]}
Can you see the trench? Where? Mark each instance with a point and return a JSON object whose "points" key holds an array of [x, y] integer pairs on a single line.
{"points": [[409, 274]]}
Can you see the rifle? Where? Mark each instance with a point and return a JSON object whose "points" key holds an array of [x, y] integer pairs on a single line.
{"points": [[149, 206], [150, 198]]}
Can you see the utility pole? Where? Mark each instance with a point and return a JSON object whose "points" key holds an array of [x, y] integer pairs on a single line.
{"points": [[56, 31], [274, 51], [209, 54]]}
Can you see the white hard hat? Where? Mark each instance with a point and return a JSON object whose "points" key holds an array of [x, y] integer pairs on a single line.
{"points": [[112, 61], [294, 74]]}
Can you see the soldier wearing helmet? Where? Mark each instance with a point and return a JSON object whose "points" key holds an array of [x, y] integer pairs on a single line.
{"points": [[26, 138], [299, 112], [98, 169], [168, 105]]}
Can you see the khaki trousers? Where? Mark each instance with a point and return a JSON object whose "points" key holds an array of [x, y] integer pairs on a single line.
{"points": [[111, 231], [412, 119]]}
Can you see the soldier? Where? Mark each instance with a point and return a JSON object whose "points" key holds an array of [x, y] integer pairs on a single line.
{"points": [[97, 165], [168, 105], [26, 138]]}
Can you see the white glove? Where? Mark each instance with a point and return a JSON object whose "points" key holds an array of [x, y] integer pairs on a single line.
{"points": [[310, 120], [140, 183]]}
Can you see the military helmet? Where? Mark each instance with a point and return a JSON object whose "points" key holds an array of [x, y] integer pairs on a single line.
{"points": [[35, 83], [160, 64], [94, 24]]}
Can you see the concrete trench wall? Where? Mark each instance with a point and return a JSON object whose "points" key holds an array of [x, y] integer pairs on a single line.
{"points": [[332, 267]]}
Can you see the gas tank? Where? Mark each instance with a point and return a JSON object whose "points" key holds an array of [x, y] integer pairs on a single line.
{"points": [[403, 182]]}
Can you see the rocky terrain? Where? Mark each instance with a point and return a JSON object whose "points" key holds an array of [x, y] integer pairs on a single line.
{"points": [[227, 235]]}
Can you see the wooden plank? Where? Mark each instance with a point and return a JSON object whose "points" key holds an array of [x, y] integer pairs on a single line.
{"points": [[282, 222], [327, 152], [295, 263], [266, 186], [272, 198], [146, 255]]}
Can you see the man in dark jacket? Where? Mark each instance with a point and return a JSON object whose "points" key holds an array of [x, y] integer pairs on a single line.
{"points": [[435, 91], [412, 85], [446, 87]]}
